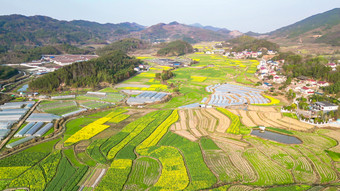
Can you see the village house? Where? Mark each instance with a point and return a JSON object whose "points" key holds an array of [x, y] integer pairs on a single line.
{"points": [[306, 90], [279, 79], [323, 84], [324, 106], [332, 65], [312, 82]]}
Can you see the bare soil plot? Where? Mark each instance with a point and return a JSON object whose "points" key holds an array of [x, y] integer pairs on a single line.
{"points": [[183, 122], [186, 134], [223, 121], [297, 123], [245, 118], [202, 123], [95, 178], [256, 119], [261, 108], [212, 120], [265, 116], [270, 119]]}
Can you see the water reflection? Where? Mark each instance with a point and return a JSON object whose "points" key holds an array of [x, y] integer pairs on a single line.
{"points": [[276, 137]]}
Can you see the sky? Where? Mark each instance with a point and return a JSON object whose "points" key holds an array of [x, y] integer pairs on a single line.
{"points": [[243, 15]]}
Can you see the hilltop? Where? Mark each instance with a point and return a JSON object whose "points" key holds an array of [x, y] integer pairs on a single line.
{"points": [[319, 28], [24, 32], [175, 48], [177, 31]]}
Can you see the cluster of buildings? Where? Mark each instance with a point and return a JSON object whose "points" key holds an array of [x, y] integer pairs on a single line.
{"points": [[66, 59], [141, 67], [244, 54], [169, 62], [306, 86], [270, 68], [215, 51], [50, 63]]}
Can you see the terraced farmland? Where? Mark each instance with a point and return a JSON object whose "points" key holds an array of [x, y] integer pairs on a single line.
{"points": [[196, 123], [188, 149], [258, 116]]}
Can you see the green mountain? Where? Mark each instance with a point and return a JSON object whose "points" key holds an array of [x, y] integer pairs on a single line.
{"points": [[124, 45], [20, 32], [176, 48], [319, 28], [252, 44]]}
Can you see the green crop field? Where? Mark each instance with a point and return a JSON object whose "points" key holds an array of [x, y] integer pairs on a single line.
{"points": [[163, 147]]}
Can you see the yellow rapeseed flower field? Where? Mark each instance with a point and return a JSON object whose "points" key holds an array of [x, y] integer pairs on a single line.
{"points": [[198, 78]]}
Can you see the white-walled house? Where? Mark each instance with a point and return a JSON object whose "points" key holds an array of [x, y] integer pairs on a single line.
{"points": [[305, 90], [325, 106], [323, 84]]}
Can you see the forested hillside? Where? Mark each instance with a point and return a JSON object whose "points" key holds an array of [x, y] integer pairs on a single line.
{"points": [[7, 72], [176, 48], [252, 44], [21, 32], [320, 28], [111, 68], [124, 45]]}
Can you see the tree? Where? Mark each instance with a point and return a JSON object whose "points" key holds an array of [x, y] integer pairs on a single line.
{"points": [[294, 106]]}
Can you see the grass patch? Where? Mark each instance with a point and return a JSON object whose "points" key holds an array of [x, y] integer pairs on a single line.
{"points": [[334, 155], [208, 144], [291, 188], [69, 153], [291, 115], [86, 159], [279, 130]]}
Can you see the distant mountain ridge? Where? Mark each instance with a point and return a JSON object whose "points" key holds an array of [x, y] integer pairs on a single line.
{"points": [[319, 28], [21, 32], [190, 33], [177, 31], [18, 31], [198, 25]]}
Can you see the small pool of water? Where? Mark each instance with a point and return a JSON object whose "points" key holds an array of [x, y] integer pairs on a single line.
{"points": [[281, 138]]}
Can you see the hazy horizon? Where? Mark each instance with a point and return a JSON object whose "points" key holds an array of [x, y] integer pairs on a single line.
{"points": [[258, 16]]}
